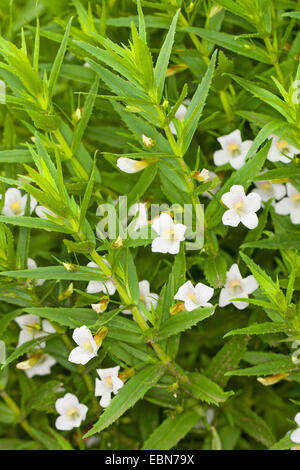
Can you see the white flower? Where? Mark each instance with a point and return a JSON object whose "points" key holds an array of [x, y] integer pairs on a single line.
{"points": [[295, 436], [194, 297], [236, 287], [233, 151], [15, 203], [71, 412], [32, 328], [129, 165], [267, 190], [41, 367], [87, 347], [139, 208], [242, 208], [170, 235], [290, 204], [42, 211], [279, 148], [146, 297], [109, 383], [100, 286], [180, 113], [32, 265]]}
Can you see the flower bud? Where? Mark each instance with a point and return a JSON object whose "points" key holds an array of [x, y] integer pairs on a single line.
{"points": [[72, 268], [126, 374], [273, 379], [202, 176], [101, 306], [148, 141], [178, 307], [100, 335]]}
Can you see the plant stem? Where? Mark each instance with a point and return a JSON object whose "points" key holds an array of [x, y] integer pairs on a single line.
{"points": [[17, 412], [78, 168], [227, 108]]}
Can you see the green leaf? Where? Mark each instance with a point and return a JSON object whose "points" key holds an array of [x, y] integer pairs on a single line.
{"points": [[194, 111], [228, 41], [262, 329], [274, 367], [215, 269], [59, 60], [183, 320], [171, 431], [164, 57], [285, 443], [57, 272], [226, 359], [127, 396], [251, 423], [206, 390], [71, 317], [35, 222]]}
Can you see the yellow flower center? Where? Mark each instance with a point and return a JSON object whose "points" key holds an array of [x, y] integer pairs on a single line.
{"points": [[73, 413], [141, 164], [239, 206], [33, 326], [192, 296], [234, 149], [235, 286], [108, 382], [283, 146], [88, 347], [296, 197], [169, 234], [16, 207], [265, 185]]}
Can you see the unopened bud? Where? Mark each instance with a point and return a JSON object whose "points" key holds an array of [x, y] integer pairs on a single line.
{"points": [[126, 374], [133, 109], [179, 307], [117, 243], [202, 176], [273, 379], [25, 365], [76, 116], [148, 141], [101, 306], [100, 335], [215, 9], [67, 293], [72, 268]]}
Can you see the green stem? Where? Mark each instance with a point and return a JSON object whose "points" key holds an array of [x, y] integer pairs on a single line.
{"points": [[18, 414], [274, 59], [78, 168], [227, 108]]}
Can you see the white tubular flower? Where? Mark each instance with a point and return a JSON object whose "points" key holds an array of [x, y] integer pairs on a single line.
{"points": [[295, 436], [170, 235], [41, 367], [236, 287], [32, 265], [42, 211], [87, 347], [280, 150], [71, 412], [194, 297], [15, 203], [290, 205], [100, 286], [242, 208], [233, 151], [109, 383], [32, 328], [268, 190], [148, 298], [180, 113], [139, 208], [128, 165]]}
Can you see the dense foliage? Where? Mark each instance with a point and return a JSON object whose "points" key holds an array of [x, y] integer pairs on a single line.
{"points": [[190, 104]]}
